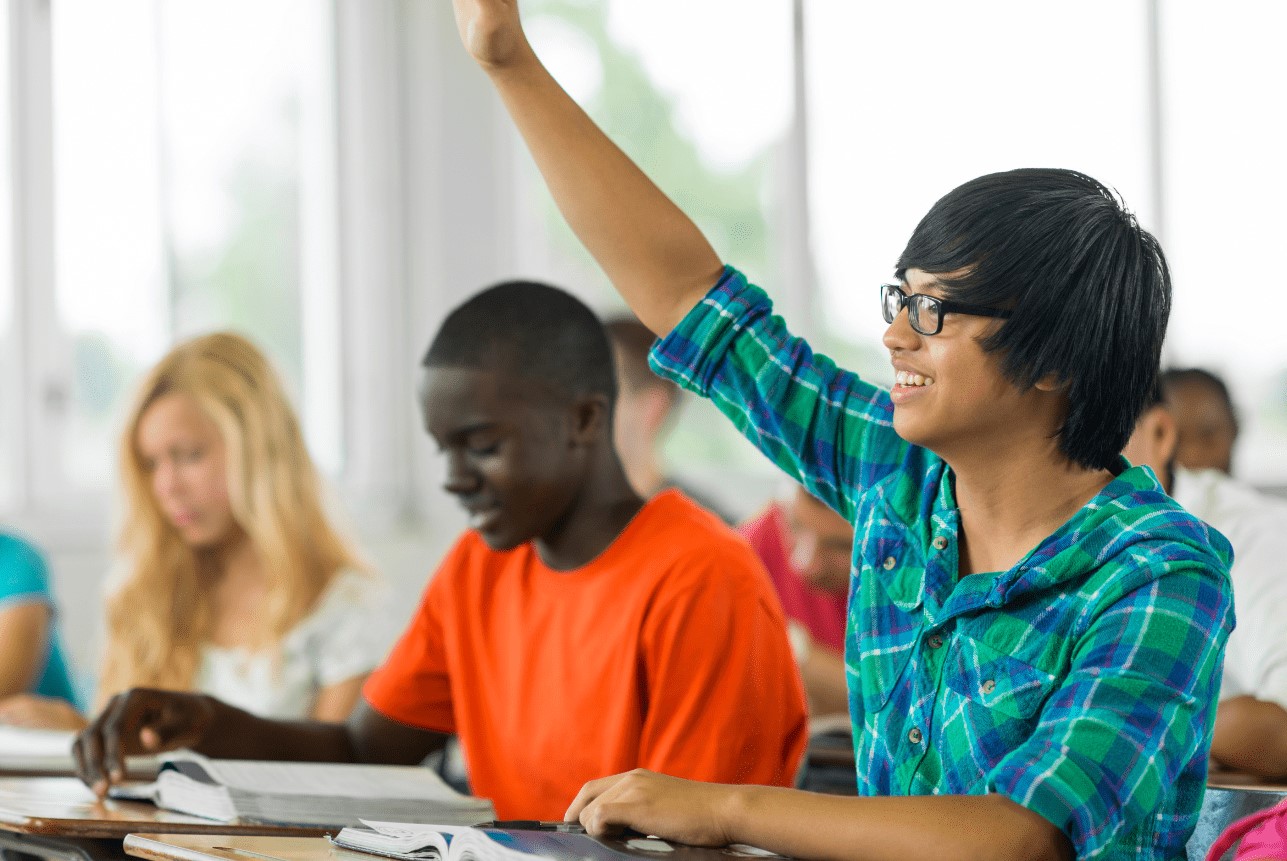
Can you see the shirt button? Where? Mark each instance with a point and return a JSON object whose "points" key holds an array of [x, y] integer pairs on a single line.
{"points": [[940, 543], [988, 687], [936, 642], [890, 562], [914, 736]]}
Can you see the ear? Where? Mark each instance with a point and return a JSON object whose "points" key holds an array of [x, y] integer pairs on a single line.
{"points": [[589, 419], [657, 407], [1166, 436], [1050, 383]]}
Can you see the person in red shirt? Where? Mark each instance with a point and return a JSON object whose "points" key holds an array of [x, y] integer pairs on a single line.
{"points": [[806, 547], [573, 632]]}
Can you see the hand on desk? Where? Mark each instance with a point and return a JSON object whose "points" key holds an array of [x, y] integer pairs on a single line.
{"points": [[139, 721], [686, 811], [37, 712]]}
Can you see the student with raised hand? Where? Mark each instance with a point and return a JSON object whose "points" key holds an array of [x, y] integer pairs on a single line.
{"points": [[231, 580], [1036, 629], [573, 631], [31, 656]]}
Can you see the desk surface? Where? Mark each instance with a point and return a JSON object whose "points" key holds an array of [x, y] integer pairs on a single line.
{"points": [[204, 847], [64, 807]]}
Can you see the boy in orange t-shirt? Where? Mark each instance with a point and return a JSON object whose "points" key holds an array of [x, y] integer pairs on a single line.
{"points": [[574, 632]]}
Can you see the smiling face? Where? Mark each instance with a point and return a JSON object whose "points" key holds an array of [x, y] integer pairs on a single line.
{"points": [[951, 396], [182, 452], [514, 461]]}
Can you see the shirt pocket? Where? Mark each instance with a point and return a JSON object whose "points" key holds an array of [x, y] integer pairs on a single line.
{"points": [[990, 708], [996, 681]]}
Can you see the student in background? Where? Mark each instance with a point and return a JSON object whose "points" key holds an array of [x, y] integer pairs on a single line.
{"points": [[1205, 420], [231, 580], [575, 630], [1251, 722], [807, 549], [31, 657], [646, 408], [1037, 631]]}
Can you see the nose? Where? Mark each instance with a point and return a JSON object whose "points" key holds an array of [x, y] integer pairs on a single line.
{"points": [[461, 478], [900, 335], [166, 481]]}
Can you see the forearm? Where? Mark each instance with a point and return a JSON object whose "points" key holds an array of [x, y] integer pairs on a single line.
{"points": [[839, 828], [1251, 736], [237, 734], [653, 253]]}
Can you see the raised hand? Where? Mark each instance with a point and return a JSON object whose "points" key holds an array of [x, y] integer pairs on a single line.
{"points": [[139, 721], [491, 31], [685, 811]]}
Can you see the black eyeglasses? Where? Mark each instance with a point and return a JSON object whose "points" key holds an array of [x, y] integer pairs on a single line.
{"points": [[925, 312]]}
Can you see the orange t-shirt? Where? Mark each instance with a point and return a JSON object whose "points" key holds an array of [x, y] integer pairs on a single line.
{"points": [[667, 652]]}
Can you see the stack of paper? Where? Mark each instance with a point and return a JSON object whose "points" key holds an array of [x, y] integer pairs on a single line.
{"points": [[50, 751]]}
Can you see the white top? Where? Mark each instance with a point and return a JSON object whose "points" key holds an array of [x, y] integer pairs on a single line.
{"points": [[1255, 660], [344, 636]]}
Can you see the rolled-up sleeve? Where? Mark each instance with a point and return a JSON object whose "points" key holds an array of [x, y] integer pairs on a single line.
{"points": [[822, 425]]}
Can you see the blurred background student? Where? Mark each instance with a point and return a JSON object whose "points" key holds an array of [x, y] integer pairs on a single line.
{"points": [[232, 580], [1206, 424], [647, 407], [31, 656], [1251, 719], [806, 548]]}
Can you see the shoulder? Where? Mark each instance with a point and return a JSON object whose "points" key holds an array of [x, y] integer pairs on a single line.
{"points": [[683, 545], [352, 589], [22, 567]]}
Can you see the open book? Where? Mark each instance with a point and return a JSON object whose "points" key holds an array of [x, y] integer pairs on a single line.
{"points": [[412, 842], [49, 751], [304, 793]]}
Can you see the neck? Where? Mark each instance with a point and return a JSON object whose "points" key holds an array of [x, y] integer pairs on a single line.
{"points": [[1009, 506], [236, 559], [599, 513]]}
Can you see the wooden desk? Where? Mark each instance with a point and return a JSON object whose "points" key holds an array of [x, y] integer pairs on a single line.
{"points": [[201, 847], [58, 817]]}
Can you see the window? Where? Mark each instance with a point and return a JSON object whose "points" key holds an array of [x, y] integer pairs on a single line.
{"points": [[901, 110], [1226, 180], [10, 381], [707, 122], [195, 190]]}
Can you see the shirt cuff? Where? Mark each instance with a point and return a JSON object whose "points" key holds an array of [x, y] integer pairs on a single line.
{"points": [[695, 349]]}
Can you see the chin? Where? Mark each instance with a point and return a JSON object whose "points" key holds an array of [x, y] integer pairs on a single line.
{"points": [[501, 541]]}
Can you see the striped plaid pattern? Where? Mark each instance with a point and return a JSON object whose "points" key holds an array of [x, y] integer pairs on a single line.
{"points": [[1081, 683]]}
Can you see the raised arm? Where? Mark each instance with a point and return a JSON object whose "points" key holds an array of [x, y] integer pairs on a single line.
{"points": [[651, 251]]}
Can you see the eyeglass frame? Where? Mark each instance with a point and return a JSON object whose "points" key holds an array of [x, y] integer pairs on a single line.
{"points": [[945, 306]]}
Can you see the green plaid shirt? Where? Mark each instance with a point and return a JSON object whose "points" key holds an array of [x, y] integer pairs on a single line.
{"points": [[1081, 683]]}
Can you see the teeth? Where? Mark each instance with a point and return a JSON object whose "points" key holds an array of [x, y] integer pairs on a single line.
{"points": [[907, 378]]}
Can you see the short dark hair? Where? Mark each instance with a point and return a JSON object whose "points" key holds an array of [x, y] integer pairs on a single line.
{"points": [[533, 331], [1089, 289], [633, 341], [1201, 377]]}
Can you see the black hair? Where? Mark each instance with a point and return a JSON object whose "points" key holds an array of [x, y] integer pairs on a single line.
{"points": [[632, 342], [533, 331], [1088, 288], [1202, 377]]}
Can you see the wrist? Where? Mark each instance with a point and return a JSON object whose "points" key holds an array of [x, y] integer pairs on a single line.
{"points": [[737, 809]]}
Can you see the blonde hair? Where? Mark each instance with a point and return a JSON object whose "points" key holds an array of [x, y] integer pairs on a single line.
{"points": [[159, 612]]}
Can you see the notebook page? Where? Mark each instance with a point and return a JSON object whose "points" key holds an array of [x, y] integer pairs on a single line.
{"points": [[336, 780]]}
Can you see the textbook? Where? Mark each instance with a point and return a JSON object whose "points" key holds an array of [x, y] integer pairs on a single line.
{"points": [[526, 840], [49, 751], [320, 794]]}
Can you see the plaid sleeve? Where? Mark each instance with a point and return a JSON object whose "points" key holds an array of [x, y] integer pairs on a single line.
{"points": [[820, 424], [1135, 711]]}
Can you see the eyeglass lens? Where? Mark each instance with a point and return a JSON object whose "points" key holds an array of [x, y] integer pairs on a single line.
{"points": [[923, 311]]}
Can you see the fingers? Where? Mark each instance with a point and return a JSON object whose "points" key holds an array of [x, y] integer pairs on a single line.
{"points": [[589, 793], [88, 751]]}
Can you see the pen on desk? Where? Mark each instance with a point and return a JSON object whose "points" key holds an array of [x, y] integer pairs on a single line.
{"points": [[534, 825]]}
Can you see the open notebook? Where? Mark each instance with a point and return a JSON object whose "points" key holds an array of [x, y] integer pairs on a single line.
{"points": [[50, 751], [412, 842], [304, 793]]}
